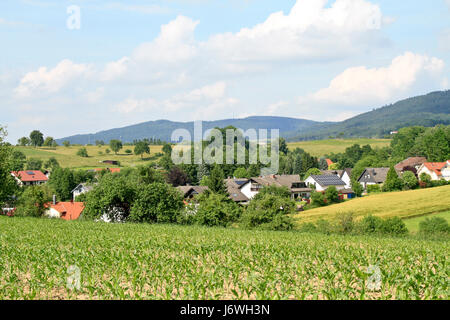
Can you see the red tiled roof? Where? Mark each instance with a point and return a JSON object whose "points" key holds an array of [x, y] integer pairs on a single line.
{"points": [[329, 162], [112, 170], [30, 175], [436, 167], [68, 210]]}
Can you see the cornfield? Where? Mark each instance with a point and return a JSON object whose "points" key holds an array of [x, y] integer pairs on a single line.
{"points": [[53, 259]]}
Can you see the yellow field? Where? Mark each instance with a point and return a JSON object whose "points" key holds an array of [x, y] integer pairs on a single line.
{"points": [[67, 156], [405, 204], [319, 148]]}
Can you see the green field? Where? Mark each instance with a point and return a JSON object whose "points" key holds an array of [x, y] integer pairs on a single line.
{"points": [[413, 223], [319, 148], [67, 156], [405, 204], [129, 261]]}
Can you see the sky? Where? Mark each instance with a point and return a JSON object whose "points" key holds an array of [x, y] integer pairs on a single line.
{"points": [[73, 67]]}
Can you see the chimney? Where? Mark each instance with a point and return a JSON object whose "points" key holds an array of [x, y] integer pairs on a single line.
{"points": [[54, 199]]}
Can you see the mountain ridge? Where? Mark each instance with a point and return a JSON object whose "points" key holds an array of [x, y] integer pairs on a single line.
{"points": [[427, 110]]}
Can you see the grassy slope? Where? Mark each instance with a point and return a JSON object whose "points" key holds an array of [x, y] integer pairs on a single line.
{"points": [[413, 223], [321, 147], [67, 157], [403, 204], [131, 261]]}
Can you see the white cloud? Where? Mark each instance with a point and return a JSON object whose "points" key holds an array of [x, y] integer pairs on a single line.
{"points": [[361, 85], [51, 80], [310, 31], [175, 43], [115, 69]]}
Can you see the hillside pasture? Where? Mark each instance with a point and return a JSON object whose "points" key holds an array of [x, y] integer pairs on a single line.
{"points": [[68, 158], [413, 223], [404, 204], [319, 148]]}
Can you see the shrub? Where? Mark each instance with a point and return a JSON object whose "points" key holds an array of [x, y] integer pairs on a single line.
{"points": [[32, 202], [373, 188], [324, 226], [318, 199], [82, 152], [344, 223], [308, 227], [393, 182], [279, 223], [435, 225], [370, 225], [424, 177], [108, 151], [394, 226], [128, 151], [332, 195], [216, 210], [409, 180]]}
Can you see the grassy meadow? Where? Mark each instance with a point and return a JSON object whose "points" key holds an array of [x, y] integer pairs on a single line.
{"points": [[68, 158], [46, 259], [413, 223], [319, 148], [404, 204]]}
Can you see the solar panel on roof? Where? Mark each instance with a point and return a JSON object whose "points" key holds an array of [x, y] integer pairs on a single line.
{"points": [[240, 183], [31, 173]]}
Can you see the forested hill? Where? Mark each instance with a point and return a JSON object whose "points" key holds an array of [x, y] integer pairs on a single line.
{"points": [[428, 110], [162, 129]]}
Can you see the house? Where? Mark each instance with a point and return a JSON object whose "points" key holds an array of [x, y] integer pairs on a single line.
{"points": [[29, 177], [324, 181], [346, 176], [234, 190], [190, 192], [64, 210], [298, 188], [346, 194], [411, 162], [81, 189], [436, 170], [372, 176]]}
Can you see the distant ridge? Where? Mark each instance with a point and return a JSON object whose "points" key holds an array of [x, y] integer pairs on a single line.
{"points": [[427, 110]]}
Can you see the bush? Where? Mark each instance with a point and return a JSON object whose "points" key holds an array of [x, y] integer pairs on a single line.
{"points": [[128, 151], [82, 152], [409, 180], [318, 199], [373, 188], [370, 225], [332, 195], [344, 223], [156, 203], [394, 226], [32, 202], [263, 212], [308, 227], [435, 225], [324, 226], [216, 210]]}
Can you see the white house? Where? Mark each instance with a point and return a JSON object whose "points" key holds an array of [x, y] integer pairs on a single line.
{"points": [[436, 170], [298, 188], [346, 177], [323, 182], [81, 189]]}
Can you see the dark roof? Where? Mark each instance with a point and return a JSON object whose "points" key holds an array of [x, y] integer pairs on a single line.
{"points": [[233, 188], [377, 175], [187, 189], [328, 180], [410, 162], [335, 172], [348, 170]]}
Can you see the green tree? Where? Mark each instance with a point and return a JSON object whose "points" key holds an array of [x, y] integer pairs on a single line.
{"points": [[140, 148], [18, 160], [216, 181], [82, 152], [425, 177], [156, 203], [24, 141], [216, 210], [269, 212], [177, 177], [115, 145], [323, 165], [33, 164], [48, 142], [8, 185], [312, 172], [281, 192], [36, 138], [393, 182], [66, 144], [318, 199], [167, 149], [283, 147], [62, 181], [241, 173], [357, 187], [32, 202], [51, 163], [409, 180], [332, 195]]}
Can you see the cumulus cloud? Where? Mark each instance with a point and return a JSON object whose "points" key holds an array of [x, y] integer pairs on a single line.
{"points": [[362, 85], [51, 80]]}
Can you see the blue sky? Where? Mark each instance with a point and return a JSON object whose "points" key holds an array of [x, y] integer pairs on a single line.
{"points": [[182, 60]]}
